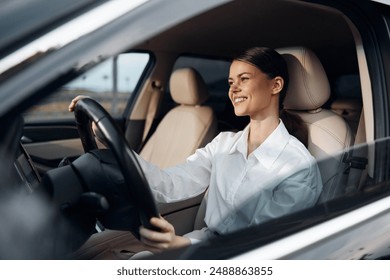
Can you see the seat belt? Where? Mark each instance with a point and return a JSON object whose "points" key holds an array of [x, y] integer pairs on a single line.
{"points": [[154, 102], [357, 159]]}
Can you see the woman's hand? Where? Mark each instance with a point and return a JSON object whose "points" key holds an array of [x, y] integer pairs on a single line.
{"points": [[72, 104], [163, 239], [95, 129]]}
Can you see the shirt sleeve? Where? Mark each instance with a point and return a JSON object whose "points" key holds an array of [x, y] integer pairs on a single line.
{"points": [[199, 235], [297, 192], [184, 180]]}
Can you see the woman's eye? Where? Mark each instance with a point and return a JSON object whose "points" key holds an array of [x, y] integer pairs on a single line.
{"points": [[244, 79]]}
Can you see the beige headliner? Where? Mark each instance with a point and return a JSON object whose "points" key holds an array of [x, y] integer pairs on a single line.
{"points": [[235, 26]]}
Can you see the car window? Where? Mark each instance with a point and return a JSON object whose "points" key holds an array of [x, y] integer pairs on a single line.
{"points": [[358, 190], [111, 83]]}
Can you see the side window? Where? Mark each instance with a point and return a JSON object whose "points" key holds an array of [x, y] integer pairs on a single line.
{"points": [[215, 72], [111, 83]]}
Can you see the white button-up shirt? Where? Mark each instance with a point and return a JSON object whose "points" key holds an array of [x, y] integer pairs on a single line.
{"points": [[277, 178]]}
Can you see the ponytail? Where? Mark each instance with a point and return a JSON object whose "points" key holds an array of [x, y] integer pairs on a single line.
{"points": [[295, 126]]}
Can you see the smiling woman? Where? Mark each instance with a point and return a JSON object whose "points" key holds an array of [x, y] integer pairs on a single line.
{"points": [[232, 163], [264, 189], [253, 175], [258, 82]]}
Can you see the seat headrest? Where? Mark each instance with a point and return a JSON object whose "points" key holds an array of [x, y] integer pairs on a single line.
{"points": [[188, 87], [308, 87]]}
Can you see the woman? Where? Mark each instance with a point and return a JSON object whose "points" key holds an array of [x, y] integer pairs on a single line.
{"points": [[253, 175]]}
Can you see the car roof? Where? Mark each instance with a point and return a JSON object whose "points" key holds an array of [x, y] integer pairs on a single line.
{"points": [[219, 32], [22, 21]]}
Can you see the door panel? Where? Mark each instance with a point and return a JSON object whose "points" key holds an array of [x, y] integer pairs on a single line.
{"points": [[48, 143], [49, 132], [48, 154]]}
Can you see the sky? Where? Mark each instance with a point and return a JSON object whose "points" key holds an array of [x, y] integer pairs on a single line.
{"points": [[100, 78]]}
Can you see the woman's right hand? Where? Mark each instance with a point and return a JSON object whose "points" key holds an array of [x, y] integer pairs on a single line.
{"points": [[163, 239]]}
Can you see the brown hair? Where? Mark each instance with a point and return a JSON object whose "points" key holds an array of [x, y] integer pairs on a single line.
{"points": [[271, 63]]}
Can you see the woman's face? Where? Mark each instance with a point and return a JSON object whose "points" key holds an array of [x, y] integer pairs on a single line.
{"points": [[252, 92]]}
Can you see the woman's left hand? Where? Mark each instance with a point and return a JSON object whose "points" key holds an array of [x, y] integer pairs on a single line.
{"points": [[74, 101], [163, 239]]}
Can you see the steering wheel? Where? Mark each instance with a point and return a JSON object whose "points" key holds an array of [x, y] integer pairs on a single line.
{"points": [[138, 191]]}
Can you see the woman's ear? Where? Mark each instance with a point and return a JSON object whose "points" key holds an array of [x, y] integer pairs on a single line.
{"points": [[278, 85]]}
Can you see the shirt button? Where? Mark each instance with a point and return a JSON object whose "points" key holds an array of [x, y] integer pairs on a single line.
{"points": [[227, 221]]}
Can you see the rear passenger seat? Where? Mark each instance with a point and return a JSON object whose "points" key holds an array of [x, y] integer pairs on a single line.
{"points": [[349, 109], [347, 100]]}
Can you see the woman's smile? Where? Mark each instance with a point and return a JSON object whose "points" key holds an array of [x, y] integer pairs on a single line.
{"points": [[239, 99]]}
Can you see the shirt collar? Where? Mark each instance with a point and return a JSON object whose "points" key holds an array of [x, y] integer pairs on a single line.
{"points": [[240, 145], [269, 150]]}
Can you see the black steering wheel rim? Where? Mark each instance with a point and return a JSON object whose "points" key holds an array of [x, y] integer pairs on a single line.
{"points": [[139, 192]]}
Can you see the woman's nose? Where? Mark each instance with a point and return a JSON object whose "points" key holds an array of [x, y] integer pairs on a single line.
{"points": [[234, 88]]}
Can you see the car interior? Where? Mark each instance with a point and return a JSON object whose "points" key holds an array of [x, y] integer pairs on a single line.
{"points": [[175, 108]]}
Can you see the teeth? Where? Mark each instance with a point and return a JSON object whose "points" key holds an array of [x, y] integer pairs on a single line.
{"points": [[239, 99]]}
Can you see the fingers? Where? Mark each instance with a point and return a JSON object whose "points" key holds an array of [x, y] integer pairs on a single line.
{"points": [[74, 101], [163, 224], [166, 230], [158, 239], [155, 239]]}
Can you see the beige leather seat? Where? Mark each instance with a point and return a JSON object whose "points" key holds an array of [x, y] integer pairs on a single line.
{"points": [[186, 127], [350, 109], [329, 133], [347, 99]]}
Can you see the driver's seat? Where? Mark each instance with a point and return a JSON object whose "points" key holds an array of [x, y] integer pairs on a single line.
{"points": [[186, 127], [329, 134]]}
